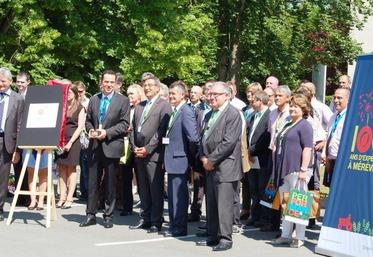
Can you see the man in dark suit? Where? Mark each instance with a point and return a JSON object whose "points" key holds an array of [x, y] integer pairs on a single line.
{"points": [[107, 121], [181, 142], [150, 122], [23, 81], [258, 138], [221, 158], [11, 110]]}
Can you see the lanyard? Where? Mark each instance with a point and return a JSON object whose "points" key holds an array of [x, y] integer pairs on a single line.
{"points": [[335, 124]]}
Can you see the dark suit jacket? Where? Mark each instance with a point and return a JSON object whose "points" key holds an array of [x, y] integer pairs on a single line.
{"points": [[152, 130], [115, 123], [222, 146], [13, 121], [184, 140], [258, 146]]}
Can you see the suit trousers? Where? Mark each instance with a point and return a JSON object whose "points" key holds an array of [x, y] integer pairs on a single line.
{"points": [[258, 179], [178, 202], [5, 162], [199, 184], [237, 207], [246, 197], [127, 176], [220, 200], [102, 170], [150, 183]]}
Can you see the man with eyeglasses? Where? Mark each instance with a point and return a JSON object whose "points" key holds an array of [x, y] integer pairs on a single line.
{"points": [[11, 109], [150, 121], [221, 159]]}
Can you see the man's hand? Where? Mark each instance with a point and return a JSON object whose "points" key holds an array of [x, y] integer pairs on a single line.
{"points": [[102, 135], [141, 152], [207, 164], [16, 157], [319, 146]]}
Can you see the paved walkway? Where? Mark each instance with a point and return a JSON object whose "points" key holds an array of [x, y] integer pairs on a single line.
{"points": [[27, 236]]}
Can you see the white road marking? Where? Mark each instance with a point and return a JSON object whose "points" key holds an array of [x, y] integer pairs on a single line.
{"points": [[142, 241]]}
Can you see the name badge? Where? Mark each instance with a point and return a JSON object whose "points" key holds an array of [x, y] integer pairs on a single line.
{"points": [[166, 141], [139, 130]]}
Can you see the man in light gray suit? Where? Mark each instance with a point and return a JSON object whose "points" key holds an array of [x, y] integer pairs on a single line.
{"points": [[107, 122], [11, 110], [150, 122], [221, 158]]}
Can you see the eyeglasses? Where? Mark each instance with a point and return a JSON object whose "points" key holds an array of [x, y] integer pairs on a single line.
{"points": [[215, 94]]}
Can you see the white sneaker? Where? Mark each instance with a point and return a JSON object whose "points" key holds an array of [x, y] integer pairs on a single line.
{"points": [[281, 241], [297, 243]]}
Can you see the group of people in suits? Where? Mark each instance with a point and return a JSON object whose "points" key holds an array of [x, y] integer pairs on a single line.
{"points": [[206, 135]]}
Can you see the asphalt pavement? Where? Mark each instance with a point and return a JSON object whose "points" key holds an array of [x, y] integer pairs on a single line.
{"points": [[28, 236]]}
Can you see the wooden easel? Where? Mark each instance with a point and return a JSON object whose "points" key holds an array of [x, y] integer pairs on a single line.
{"points": [[51, 203]]}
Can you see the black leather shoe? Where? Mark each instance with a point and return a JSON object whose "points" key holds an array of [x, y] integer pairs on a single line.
{"points": [[125, 213], [169, 233], [193, 217], [222, 246], [108, 223], [244, 215], [250, 222], [202, 234], [207, 243], [88, 222], [154, 229], [140, 225], [1, 216]]}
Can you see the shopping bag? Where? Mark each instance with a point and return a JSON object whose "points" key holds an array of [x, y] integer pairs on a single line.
{"points": [[126, 151], [269, 195], [315, 210], [298, 205]]}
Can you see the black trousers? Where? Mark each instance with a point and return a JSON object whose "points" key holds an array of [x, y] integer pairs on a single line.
{"points": [[199, 185], [258, 179], [127, 176], [220, 202], [5, 161], [150, 181], [246, 197], [22, 199], [102, 169]]}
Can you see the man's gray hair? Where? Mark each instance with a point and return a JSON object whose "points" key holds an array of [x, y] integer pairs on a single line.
{"points": [[146, 75], [227, 89], [284, 89], [6, 73]]}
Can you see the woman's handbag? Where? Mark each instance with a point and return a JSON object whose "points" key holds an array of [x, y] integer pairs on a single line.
{"points": [[83, 139], [271, 197]]}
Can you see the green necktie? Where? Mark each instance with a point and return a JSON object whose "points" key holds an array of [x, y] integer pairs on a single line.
{"points": [[145, 112], [212, 120], [171, 120]]}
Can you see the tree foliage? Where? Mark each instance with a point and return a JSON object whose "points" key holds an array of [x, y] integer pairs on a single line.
{"points": [[193, 40]]}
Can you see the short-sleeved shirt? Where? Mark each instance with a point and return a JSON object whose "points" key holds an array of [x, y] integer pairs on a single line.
{"points": [[294, 141]]}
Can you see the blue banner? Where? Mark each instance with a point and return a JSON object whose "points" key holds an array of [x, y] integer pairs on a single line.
{"points": [[348, 223]]}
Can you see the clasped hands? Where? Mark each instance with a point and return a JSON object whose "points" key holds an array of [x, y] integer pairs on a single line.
{"points": [[207, 165], [99, 134], [140, 152]]}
